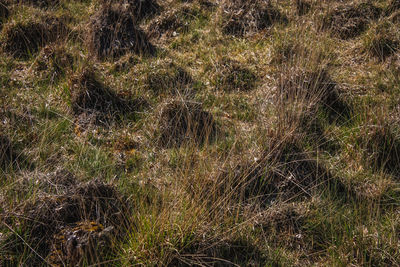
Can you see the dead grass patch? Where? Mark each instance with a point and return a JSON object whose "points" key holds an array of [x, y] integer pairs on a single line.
{"points": [[24, 38], [114, 32], [40, 3], [350, 20], [241, 17], [183, 121], [303, 7], [233, 76]]}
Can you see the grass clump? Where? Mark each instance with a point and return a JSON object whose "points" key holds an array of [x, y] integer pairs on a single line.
{"points": [[233, 76], [165, 77], [382, 41], [239, 17], [350, 20], [72, 226], [23, 38], [183, 121], [114, 32], [54, 61], [4, 12], [89, 96]]}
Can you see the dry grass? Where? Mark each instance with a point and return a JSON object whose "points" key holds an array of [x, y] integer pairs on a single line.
{"points": [[250, 136]]}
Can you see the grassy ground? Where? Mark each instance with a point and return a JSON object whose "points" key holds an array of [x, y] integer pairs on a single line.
{"points": [[208, 133]]}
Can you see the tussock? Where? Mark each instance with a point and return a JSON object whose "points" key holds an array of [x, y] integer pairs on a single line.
{"points": [[4, 12], [24, 38], [165, 77], [183, 121], [114, 32], [63, 227], [350, 20], [90, 96], [242, 17], [233, 76], [54, 61], [313, 89], [171, 22]]}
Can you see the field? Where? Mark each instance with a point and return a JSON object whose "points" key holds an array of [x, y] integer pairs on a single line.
{"points": [[199, 133]]}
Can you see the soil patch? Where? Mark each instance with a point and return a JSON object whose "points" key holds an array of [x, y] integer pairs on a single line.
{"points": [[183, 121], [242, 17], [114, 32]]}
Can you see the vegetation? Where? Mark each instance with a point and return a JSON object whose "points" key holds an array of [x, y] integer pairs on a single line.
{"points": [[199, 133]]}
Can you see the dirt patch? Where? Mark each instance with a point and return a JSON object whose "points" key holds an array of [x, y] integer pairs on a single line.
{"points": [[172, 22], [350, 20], [114, 32], [242, 17], [183, 121], [168, 77], [90, 96], [54, 62], [233, 76], [313, 89], [24, 38], [64, 226]]}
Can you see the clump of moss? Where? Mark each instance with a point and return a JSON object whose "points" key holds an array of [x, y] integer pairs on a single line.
{"points": [[242, 17], [183, 121], [350, 20], [114, 32]]}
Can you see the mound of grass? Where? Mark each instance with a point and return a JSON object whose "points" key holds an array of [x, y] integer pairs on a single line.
{"points": [[6, 152], [114, 32], [233, 76], [383, 41], [393, 6], [172, 22], [313, 89], [90, 96], [182, 122], [240, 17], [380, 144], [54, 61], [23, 38], [41, 3], [4, 12], [302, 7], [64, 227], [168, 77], [350, 20]]}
